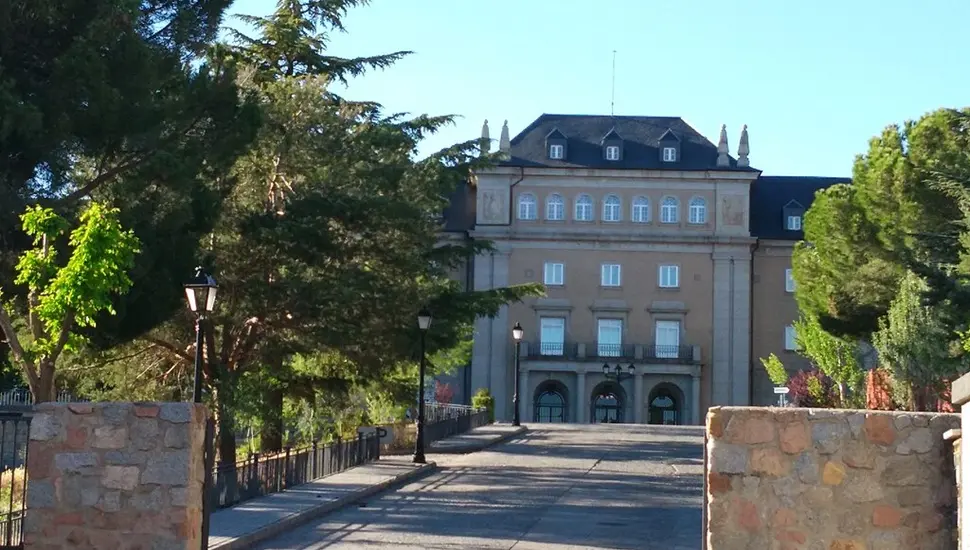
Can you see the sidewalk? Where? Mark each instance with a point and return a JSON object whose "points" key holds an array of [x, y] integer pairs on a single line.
{"points": [[262, 518]]}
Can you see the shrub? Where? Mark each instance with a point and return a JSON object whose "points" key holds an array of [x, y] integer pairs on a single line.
{"points": [[812, 389], [443, 393], [483, 400]]}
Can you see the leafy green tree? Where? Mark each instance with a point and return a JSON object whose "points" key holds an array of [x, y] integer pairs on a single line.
{"points": [[64, 298], [920, 349], [775, 369], [836, 357]]}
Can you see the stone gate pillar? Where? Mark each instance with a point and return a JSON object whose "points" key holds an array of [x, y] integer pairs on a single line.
{"points": [[115, 475]]}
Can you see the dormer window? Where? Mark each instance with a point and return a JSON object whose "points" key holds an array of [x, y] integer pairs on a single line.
{"points": [[669, 147], [612, 145], [791, 216], [556, 145]]}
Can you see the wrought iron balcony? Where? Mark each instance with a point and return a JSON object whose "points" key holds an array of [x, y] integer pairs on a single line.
{"points": [[551, 350], [668, 354], [607, 351]]}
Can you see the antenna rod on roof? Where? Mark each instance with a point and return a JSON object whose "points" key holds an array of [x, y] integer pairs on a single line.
{"points": [[613, 92]]}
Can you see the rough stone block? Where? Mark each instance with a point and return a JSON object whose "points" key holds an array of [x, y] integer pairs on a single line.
{"points": [[794, 437], [769, 462], [74, 462], [920, 441], [880, 429], [45, 427], [728, 459], [110, 437], [176, 413], [120, 477], [827, 435], [833, 473], [884, 515], [167, 468]]}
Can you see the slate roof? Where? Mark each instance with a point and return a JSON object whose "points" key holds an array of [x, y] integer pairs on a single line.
{"points": [[641, 134], [770, 195]]}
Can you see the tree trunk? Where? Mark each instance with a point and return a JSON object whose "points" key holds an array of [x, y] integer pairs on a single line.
{"points": [[45, 389], [225, 405], [271, 432]]}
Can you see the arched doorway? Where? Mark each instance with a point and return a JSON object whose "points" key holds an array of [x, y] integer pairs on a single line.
{"points": [[665, 405], [607, 404], [551, 403]]}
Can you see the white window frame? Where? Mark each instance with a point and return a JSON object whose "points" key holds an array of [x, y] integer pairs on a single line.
{"points": [[552, 335], [528, 207], [794, 223], [697, 211], [612, 206], [612, 152], [584, 203], [555, 207], [609, 347], [553, 274], [662, 347], [668, 276], [611, 275], [791, 338], [789, 281], [640, 211], [556, 151], [670, 154], [670, 210]]}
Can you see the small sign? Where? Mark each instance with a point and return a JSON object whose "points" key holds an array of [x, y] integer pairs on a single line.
{"points": [[384, 433], [782, 390]]}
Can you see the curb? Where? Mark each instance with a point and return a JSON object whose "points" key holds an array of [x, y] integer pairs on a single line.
{"points": [[475, 447], [299, 518]]}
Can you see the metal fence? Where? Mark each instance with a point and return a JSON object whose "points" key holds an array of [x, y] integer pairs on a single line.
{"points": [[263, 475], [452, 420], [14, 434], [21, 397]]}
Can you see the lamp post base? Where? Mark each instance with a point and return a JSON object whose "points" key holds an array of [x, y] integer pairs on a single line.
{"points": [[418, 458]]}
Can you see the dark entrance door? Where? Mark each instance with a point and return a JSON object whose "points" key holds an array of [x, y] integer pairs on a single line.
{"points": [[663, 407], [550, 407], [607, 408]]}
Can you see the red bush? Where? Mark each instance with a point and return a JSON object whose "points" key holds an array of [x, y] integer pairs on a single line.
{"points": [[800, 392], [878, 390], [443, 392]]}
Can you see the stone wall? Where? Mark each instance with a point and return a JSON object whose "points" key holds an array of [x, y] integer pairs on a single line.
{"points": [[115, 475], [814, 479]]}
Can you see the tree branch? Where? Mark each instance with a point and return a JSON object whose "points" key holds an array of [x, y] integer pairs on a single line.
{"points": [[86, 190], [63, 337], [6, 326], [158, 342]]}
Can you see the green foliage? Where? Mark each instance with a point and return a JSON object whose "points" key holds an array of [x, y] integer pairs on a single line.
{"points": [[836, 357], [775, 369], [918, 347], [483, 400]]}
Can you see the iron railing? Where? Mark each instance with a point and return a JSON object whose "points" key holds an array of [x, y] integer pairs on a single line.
{"points": [[603, 351], [552, 350], [14, 433], [672, 354], [21, 397], [263, 475], [466, 419]]}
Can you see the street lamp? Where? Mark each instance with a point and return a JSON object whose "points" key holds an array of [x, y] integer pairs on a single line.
{"points": [[424, 322], [200, 293], [618, 373], [517, 334]]}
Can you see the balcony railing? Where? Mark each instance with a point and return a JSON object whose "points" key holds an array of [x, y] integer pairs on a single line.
{"points": [[594, 351], [552, 350]]}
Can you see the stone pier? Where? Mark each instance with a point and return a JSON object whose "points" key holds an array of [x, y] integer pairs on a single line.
{"points": [[115, 475]]}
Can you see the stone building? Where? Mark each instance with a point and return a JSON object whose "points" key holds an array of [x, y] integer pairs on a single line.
{"points": [[666, 262]]}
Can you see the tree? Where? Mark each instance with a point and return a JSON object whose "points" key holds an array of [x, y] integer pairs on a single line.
{"points": [[775, 369], [62, 299], [896, 216], [834, 356], [918, 347]]}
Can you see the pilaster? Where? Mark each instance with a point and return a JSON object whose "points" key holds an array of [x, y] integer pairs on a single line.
{"points": [[492, 366], [525, 395], [579, 401], [695, 400], [638, 398], [730, 365]]}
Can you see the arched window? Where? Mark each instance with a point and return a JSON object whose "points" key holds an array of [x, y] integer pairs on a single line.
{"points": [[550, 406], [584, 208], [668, 210], [555, 207], [698, 210], [527, 206], [611, 208], [641, 210]]}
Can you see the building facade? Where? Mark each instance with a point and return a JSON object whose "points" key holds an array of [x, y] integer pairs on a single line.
{"points": [[666, 263]]}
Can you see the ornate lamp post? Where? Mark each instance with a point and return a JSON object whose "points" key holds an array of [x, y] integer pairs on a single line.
{"points": [[200, 293], [424, 322], [517, 334]]}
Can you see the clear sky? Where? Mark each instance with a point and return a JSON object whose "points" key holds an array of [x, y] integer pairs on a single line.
{"points": [[814, 81]]}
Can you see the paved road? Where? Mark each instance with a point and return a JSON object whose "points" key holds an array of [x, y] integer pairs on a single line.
{"points": [[556, 487]]}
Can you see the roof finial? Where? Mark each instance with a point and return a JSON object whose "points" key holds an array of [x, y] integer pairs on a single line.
{"points": [[486, 142], [722, 148], [504, 143], [743, 148]]}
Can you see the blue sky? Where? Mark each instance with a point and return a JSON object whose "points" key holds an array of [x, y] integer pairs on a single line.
{"points": [[814, 81]]}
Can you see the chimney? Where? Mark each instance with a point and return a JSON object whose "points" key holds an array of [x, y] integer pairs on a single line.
{"points": [[722, 149], [504, 144], [743, 148], [486, 141]]}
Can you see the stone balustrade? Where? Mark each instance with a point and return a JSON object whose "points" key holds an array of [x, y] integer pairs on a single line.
{"points": [[115, 475], [783, 478]]}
